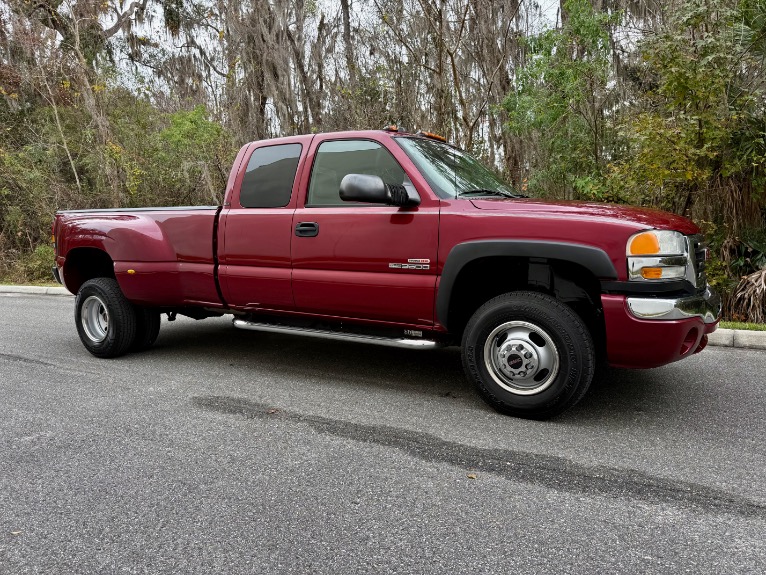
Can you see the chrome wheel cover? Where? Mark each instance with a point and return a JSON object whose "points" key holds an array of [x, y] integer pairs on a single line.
{"points": [[95, 319], [521, 358]]}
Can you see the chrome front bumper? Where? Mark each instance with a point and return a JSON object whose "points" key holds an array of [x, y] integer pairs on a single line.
{"points": [[706, 306]]}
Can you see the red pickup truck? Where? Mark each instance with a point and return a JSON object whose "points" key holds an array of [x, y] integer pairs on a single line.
{"points": [[400, 239]]}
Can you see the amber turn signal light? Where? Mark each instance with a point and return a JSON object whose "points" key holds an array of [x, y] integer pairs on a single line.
{"points": [[651, 273], [643, 244]]}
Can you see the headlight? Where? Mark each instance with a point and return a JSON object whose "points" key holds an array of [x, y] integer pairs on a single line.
{"points": [[656, 242], [657, 255]]}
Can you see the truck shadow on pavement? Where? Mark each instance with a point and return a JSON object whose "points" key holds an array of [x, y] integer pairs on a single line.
{"points": [[615, 394], [430, 372]]}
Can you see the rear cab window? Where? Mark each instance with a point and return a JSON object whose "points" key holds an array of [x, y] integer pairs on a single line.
{"points": [[269, 176]]}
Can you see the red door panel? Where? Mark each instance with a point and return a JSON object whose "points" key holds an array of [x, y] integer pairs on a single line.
{"points": [[255, 270], [256, 230], [366, 261], [346, 269]]}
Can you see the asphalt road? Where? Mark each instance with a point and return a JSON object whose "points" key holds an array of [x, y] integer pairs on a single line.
{"points": [[225, 451]]}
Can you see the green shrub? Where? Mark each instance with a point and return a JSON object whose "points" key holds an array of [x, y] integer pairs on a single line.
{"points": [[36, 266]]}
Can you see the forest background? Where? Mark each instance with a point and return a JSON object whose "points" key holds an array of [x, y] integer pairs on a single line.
{"points": [[116, 103]]}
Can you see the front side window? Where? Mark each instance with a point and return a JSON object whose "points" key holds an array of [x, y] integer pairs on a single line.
{"points": [[451, 172], [269, 177], [335, 159]]}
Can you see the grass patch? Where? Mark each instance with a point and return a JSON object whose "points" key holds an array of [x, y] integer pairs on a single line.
{"points": [[743, 325]]}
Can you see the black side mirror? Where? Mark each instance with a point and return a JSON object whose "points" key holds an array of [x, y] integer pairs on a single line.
{"points": [[373, 190]]}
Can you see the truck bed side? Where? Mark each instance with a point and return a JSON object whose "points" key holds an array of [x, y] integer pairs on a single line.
{"points": [[159, 256]]}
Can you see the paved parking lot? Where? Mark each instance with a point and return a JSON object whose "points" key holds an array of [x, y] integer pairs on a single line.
{"points": [[223, 451]]}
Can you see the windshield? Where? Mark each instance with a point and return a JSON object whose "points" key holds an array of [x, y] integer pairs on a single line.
{"points": [[451, 172]]}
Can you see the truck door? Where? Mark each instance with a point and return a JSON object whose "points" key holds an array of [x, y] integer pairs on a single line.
{"points": [[254, 257], [362, 261]]}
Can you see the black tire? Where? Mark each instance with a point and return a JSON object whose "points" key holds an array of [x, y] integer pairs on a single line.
{"points": [[147, 328], [528, 354], [105, 320]]}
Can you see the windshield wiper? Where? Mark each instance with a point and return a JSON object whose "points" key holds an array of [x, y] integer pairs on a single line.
{"points": [[483, 192]]}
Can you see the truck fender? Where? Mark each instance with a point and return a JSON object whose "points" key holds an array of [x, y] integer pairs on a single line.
{"points": [[123, 237], [593, 259]]}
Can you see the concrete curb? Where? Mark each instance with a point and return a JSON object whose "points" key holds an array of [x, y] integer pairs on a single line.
{"points": [[742, 338], [35, 290], [721, 337]]}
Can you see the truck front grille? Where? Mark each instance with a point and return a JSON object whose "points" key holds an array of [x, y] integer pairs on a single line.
{"points": [[698, 257]]}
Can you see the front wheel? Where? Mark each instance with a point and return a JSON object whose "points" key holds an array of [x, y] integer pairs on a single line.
{"points": [[105, 319], [528, 354]]}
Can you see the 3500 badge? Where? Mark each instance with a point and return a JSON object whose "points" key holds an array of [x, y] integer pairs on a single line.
{"points": [[412, 264]]}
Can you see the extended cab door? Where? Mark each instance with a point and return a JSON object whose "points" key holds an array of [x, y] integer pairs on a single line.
{"points": [[256, 229], [363, 261]]}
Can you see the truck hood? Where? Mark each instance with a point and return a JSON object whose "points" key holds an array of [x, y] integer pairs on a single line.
{"points": [[641, 217]]}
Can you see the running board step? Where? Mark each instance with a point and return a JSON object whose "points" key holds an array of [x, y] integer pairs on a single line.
{"points": [[340, 336]]}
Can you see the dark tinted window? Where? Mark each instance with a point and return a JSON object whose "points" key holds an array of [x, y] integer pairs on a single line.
{"points": [[335, 159], [269, 177]]}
